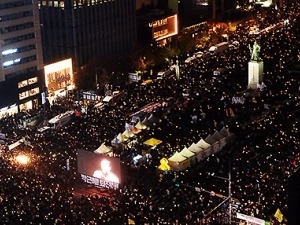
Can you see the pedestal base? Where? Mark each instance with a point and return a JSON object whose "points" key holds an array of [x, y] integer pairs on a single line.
{"points": [[255, 73]]}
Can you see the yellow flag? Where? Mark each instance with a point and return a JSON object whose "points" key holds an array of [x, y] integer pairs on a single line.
{"points": [[278, 215]]}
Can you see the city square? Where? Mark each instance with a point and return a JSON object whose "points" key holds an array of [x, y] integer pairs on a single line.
{"points": [[198, 145]]}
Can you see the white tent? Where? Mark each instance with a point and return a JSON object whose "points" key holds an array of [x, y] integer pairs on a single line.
{"points": [[195, 149], [118, 139], [224, 132], [215, 146], [177, 162], [103, 149], [140, 126], [210, 140], [127, 134], [177, 158], [217, 136], [202, 144], [186, 153]]}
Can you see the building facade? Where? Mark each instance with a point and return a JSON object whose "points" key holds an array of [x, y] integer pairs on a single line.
{"points": [[21, 57], [192, 12], [83, 29]]}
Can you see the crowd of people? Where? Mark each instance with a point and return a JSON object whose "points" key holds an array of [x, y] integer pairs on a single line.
{"points": [[260, 160]]}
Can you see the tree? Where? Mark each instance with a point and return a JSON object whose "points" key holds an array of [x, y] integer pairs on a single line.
{"points": [[144, 58], [171, 50], [93, 72]]}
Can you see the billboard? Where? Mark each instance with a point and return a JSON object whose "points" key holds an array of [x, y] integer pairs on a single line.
{"points": [[164, 28], [100, 170], [59, 75]]}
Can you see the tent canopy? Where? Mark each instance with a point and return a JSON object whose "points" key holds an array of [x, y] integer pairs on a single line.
{"points": [[118, 139], [224, 132], [127, 134], [186, 153], [195, 148], [203, 144], [140, 126], [152, 142], [217, 136], [210, 140], [103, 149], [177, 157]]}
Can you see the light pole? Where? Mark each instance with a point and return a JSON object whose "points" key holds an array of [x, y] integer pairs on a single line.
{"points": [[229, 190], [177, 69], [96, 76], [96, 79], [228, 198]]}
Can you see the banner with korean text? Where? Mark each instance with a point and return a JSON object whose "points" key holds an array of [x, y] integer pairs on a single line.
{"points": [[100, 170]]}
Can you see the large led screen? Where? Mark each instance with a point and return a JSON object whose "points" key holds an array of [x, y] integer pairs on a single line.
{"points": [[59, 75], [99, 170]]}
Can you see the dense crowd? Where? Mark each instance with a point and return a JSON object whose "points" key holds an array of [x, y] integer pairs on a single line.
{"points": [[263, 155]]}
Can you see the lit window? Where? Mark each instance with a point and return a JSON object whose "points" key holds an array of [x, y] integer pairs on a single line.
{"points": [[8, 63], [9, 51]]}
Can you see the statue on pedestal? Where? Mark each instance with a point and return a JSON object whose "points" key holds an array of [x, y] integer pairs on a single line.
{"points": [[255, 52]]}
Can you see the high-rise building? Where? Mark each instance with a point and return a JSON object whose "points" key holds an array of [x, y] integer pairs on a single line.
{"points": [[192, 12], [21, 55], [83, 29]]}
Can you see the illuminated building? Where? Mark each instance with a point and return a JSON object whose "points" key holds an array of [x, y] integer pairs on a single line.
{"points": [[21, 56], [83, 29], [192, 12]]}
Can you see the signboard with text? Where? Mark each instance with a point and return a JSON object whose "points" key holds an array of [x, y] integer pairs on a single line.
{"points": [[164, 28], [99, 170], [59, 75]]}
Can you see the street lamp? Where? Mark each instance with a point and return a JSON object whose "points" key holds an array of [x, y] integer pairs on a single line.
{"points": [[228, 198], [229, 190]]}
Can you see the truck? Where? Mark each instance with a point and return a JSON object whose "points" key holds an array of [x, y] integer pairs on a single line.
{"points": [[190, 59], [60, 120], [134, 77], [220, 47], [199, 54], [114, 98], [163, 74]]}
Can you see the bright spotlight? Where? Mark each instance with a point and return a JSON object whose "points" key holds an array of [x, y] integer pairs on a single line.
{"points": [[22, 159]]}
